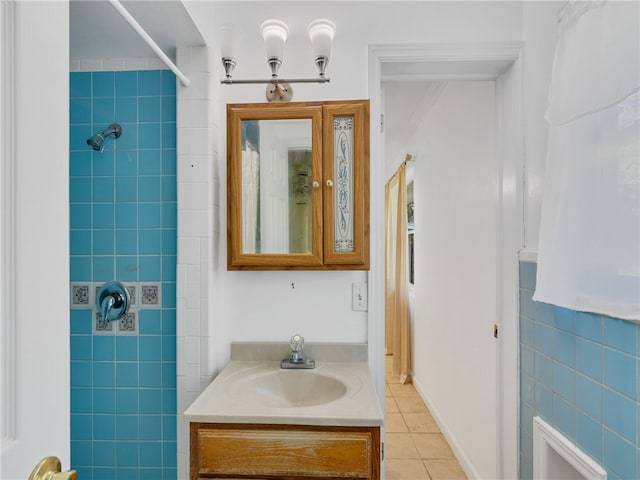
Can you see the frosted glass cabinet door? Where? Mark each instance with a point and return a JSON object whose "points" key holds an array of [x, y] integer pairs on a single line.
{"points": [[346, 183]]}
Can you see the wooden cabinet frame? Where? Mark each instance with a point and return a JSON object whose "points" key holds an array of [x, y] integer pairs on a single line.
{"points": [[322, 256], [360, 255]]}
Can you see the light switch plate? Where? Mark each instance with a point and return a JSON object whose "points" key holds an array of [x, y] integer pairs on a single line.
{"points": [[359, 297]]}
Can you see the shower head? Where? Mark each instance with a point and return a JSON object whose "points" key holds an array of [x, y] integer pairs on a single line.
{"points": [[96, 142]]}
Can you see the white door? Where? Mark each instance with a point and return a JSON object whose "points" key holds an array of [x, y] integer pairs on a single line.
{"points": [[34, 229]]}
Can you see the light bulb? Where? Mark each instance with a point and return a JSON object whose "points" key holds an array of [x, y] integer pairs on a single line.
{"points": [[321, 33], [229, 39], [274, 33]]}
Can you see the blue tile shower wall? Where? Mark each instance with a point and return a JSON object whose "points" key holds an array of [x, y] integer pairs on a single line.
{"points": [[579, 371], [123, 227]]}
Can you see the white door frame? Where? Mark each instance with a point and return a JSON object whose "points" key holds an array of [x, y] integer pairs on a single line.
{"points": [[478, 59]]}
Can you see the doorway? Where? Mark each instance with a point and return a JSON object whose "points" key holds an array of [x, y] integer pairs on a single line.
{"points": [[454, 352], [497, 65]]}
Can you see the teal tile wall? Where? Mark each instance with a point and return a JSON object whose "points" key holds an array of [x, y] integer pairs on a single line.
{"points": [[579, 371], [123, 227]]}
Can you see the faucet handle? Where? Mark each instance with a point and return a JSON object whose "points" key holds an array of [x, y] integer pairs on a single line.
{"points": [[113, 298], [296, 343]]}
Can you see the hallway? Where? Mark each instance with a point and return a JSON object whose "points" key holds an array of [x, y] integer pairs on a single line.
{"points": [[415, 448]]}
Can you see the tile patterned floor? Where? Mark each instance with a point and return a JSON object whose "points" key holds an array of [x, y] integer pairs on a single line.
{"points": [[415, 449]]}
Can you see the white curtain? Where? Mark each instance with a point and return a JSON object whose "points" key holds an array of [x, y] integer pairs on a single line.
{"points": [[589, 245], [250, 192]]}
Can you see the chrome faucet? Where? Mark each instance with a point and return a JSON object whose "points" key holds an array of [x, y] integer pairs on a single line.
{"points": [[297, 359]]}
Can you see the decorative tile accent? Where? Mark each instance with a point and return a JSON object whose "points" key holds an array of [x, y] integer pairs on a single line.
{"points": [[133, 298], [80, 296], [142, 295], [100, 326], [128, 323], [150, 294], [147, 295]]}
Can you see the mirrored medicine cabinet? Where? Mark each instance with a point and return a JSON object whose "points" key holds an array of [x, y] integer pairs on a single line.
{"points": [[298, 186]]}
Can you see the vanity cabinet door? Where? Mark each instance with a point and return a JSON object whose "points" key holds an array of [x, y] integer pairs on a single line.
{"points": [[345, 170], [284, 451]]}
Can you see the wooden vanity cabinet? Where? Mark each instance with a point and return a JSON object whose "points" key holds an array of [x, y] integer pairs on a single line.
{"points": [[224, 450]]}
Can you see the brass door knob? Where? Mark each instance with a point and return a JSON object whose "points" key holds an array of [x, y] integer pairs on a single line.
{"points": [[329, 183], [315, 184], [50, 468]]}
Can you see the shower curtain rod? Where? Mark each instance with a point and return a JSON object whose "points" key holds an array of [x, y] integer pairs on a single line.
{"points": [[149, 41]]}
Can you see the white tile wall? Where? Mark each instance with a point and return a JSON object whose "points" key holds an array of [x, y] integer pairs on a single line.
{"points": [[196, 213], [192, 318], [198, 194], [193, 351], [196, 223], [136, 64], [116, 64], [191, 113], [201, 83], [195, 140], [189, 247], [192, 168], [88, 65]]}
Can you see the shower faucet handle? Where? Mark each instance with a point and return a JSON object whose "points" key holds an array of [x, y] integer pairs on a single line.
{"points": [[112, 301]]}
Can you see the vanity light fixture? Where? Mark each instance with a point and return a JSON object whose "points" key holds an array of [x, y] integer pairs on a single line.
{"points": [[274, 34]]}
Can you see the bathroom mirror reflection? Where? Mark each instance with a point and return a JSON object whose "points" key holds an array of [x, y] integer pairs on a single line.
{"points": [[277, 186]]}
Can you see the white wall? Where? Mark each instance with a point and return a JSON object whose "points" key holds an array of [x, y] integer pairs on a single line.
{"points": [[262, 305], [405, 105], [540, 33]]}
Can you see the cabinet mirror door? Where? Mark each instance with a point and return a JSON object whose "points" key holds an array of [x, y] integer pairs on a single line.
{"points": [[274, 168]]}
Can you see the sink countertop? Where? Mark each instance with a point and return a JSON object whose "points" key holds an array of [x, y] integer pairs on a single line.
{"points": [[219, 402]]}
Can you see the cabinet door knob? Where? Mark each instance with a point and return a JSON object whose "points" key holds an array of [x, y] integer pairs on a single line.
{"points": [[315, 184], [329, 183]]}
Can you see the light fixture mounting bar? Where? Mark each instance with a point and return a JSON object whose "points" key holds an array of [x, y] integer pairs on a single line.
{"points": [[230, 81]]}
